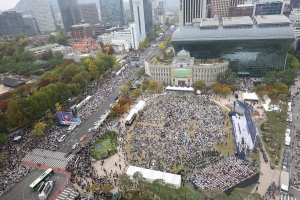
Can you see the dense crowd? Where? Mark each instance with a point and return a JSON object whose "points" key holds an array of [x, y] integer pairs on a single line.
{"points": [[245, 84], [224, 174], [173, 128], [272, 191]]}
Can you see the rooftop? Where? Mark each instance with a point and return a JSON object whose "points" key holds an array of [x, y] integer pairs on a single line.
{"points": [[80, 26], [237, 21], [272, 20], [209, 22]]}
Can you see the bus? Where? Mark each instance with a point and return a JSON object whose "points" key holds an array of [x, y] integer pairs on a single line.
{"points": [[35, 185]]}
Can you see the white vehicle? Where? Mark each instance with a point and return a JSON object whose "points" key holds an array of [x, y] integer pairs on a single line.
{"points": [[287, 142], [71, 128], [96, 122], [75, 146], [46, 191], [111, 105], [90, 130], [62, 138], [284, 182]]}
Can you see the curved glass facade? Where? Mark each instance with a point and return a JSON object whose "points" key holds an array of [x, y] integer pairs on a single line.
{"points": [[256, 54]]}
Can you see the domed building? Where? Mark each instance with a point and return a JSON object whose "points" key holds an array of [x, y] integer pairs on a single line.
{"points": [[185, 70]]}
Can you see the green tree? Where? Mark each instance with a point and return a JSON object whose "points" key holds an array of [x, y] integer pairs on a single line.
{"points": [[225, 90], [79, 79], [3, 138], [162, 46], [106, 189], [27, 56], [94, 187], [93, 71], [51, 39], [125, 89], [295, 64], [124, 182], [57, 55], [159, 87], [199, 85], [39, 129], [139, 73], [62, 37], [228, 77]]}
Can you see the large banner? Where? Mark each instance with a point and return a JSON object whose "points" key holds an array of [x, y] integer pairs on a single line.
{"points": [[65, 118], [147, 70]]}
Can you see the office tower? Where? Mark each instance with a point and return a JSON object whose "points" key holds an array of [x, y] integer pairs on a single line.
{"points": [[81, 31], [248, 43], [234, 3], [268, 8], [159, 11], [112, 11], [30, 21], [142, 12], [43, 15], [70, 13], [222, 7], [11, 23], [295, 3], [191, 9], [89, 13]]}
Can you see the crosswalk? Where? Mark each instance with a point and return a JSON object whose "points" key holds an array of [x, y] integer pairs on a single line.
{"points": [[67, 194], [286, 197], [47, 157]]}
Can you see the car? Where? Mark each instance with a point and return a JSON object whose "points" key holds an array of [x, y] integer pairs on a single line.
{"points": [[117, 97], [75, 146], [78, 150], [82, 138], [286, 153], [106, 111], [285, 162], [117, 124], [111, 105], [90, 130], [62, 138], [67, 154], [96, 122]]}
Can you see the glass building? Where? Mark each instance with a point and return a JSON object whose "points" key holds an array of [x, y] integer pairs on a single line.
{"points": [[256, 46], [70, 13], [268, 8]]}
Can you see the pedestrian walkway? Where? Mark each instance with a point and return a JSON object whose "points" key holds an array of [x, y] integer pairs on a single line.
{"points": [[47, 157], [286, 197], [68, 194]]}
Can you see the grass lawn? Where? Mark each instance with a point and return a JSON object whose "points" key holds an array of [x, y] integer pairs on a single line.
{"points": [[100, 149], [224, 149]]}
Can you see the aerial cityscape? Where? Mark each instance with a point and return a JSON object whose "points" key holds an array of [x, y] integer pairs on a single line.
{"points": [[149, 100]]}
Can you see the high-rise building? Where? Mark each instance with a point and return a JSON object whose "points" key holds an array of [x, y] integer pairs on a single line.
{"points": [[112, 11], [222, 7], [255, 45], [89, 13], [80, 31], [191, 9], [268, 8], [240, 11], [11, 23], [70, 13], [295, 3], [43, 15], [142, 12], [159, 11], [30, 21]]}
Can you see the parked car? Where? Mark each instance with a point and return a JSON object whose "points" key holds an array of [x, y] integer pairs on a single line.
{"points": [[75, 146], [62, 138], [111, 105], [286, 153], [285, 162], [82, 138], [78, 150], [117, 97], [90, 130]]}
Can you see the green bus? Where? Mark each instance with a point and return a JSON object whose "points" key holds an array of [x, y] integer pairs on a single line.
{"points": [[35, 185]]}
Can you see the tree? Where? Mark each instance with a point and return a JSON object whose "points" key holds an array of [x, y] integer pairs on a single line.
{"points": [[260, 89], [79, 79], [295, 64], [106, 189], [139, 73], [124, 182], [159, 87], [58, 107], [57, 55], [137, 92], [38, 129], [199, 85], [27, 56], [51, 39], [125, 89], [225, 90], [162, 46], [3, 138], [62, 37], [228, 77], [243, 194], [93, 71]]}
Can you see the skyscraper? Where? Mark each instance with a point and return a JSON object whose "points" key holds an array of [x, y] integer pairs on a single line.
{"points": [[159, 8], [43, 15], [89, 13], [11, 23], [142, 12], [70, 13], [112, 11], [191, 9], [295, 3], [268, 8]]}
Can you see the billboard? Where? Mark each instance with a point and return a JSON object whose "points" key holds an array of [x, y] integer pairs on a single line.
{"points": [[181, 73], [65, 118]]}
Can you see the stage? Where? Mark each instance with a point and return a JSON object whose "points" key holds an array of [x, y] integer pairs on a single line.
{"points": [[241, 130]]}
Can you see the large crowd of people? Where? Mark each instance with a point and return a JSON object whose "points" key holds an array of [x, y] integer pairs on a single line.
{"points": [[172, 129], [224, 174], [245, 84]]}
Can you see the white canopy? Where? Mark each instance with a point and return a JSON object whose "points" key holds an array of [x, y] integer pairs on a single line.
{"points": [[151, 175], [141, 104], [188, 89], [131, 113], [250, 96]]}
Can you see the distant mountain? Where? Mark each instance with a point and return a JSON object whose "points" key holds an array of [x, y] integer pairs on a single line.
{"points": [[23, 6]]}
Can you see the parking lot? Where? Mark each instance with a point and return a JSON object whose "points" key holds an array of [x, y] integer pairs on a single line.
{"points": [[22, 192]]}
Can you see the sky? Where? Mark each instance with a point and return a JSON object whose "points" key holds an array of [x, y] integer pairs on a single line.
{"points": [[7, 4]]}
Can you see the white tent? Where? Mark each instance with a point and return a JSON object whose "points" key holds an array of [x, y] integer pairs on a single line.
{"points": [[151, 175], [131, 113], [250, 96], [174, 88], [141, 104]]}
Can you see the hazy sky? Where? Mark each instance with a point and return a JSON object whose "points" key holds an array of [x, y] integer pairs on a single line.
{"points": [[7, 4]]}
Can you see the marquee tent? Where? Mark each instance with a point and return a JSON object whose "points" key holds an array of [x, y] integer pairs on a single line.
{"points": [[250, 96], [174, 88], [151, 175], [141, 104]]}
